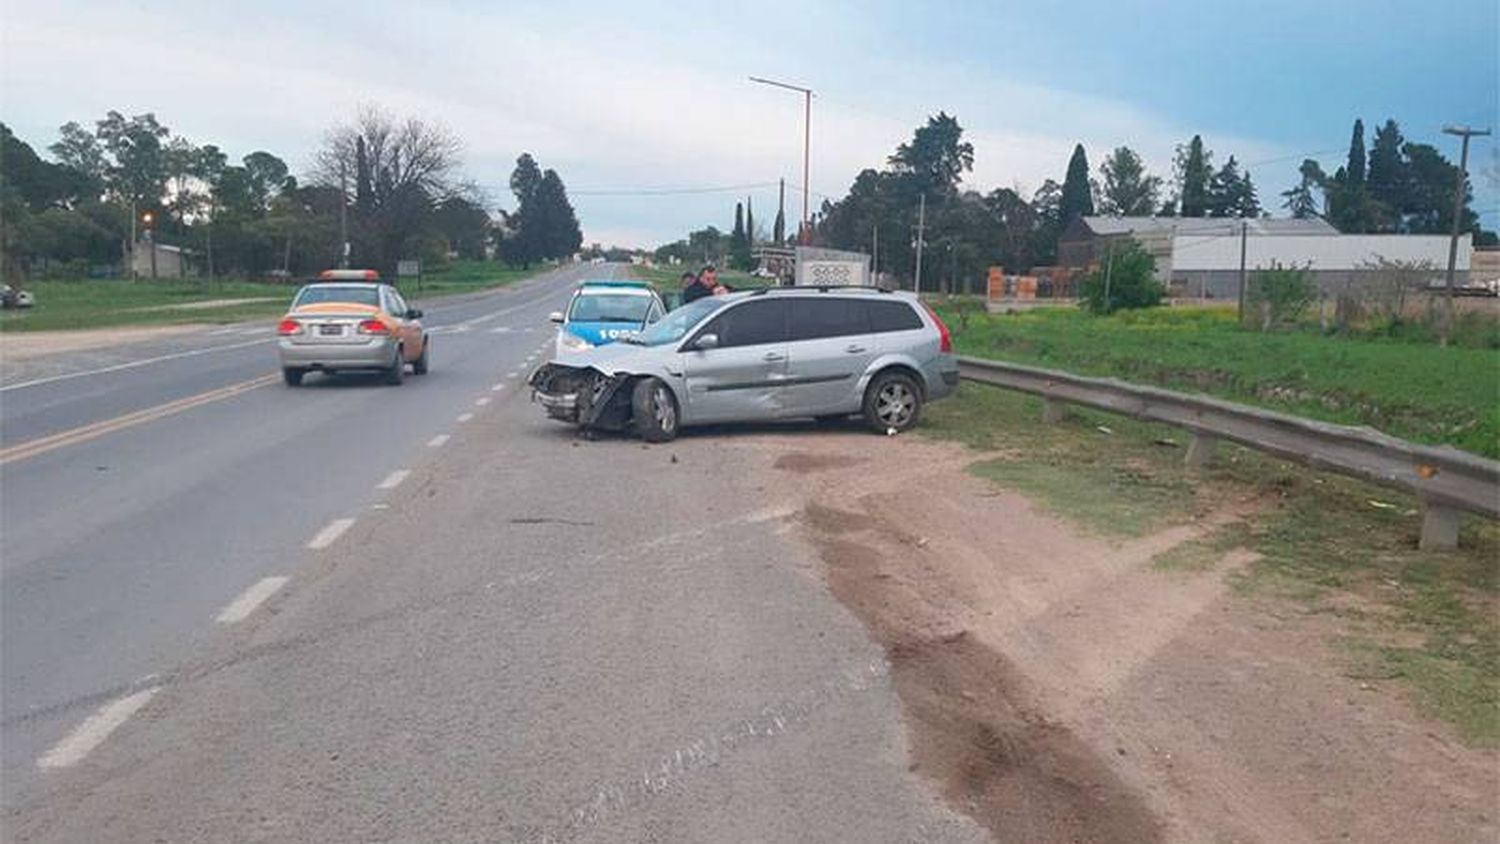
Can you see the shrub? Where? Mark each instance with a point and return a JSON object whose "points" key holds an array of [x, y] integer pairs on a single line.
{"points": [[1126, 280], [1280, 295]]}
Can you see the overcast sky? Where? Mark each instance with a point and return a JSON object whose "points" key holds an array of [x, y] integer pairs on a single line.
{"points": [[650, 95]]}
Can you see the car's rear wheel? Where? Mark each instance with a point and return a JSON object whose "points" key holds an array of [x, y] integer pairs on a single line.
{"points": [[893, 401], [654, 411], [292, 375], [396, 372], [419, 366]]}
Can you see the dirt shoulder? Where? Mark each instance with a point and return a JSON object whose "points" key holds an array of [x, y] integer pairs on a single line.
{"points": [[1066, 687], [19, 346]]}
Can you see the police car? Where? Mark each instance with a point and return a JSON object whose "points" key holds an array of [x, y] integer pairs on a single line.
{"points": [[602, 312]]}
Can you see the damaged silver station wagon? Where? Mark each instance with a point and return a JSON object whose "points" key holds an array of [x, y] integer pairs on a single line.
{"points": [[777, 353]]}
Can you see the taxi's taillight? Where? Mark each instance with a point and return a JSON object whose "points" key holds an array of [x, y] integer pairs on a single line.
{"points": [[288, 327], [373, 326]]}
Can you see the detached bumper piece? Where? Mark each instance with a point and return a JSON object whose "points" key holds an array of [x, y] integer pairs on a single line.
{"points": [[585, 397]]}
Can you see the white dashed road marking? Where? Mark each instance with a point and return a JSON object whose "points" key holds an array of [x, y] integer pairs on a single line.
{"points": [[246, 603], [437, 441], [95, 729], [500, 329], [481, 402], [512, 375], [394, 479], [330, 534], [464, 417], [497, 388]]}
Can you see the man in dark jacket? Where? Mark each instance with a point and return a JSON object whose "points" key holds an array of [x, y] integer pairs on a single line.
{"points": [[697, 286]]}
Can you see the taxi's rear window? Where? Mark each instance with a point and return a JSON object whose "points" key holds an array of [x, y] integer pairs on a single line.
{"points": [[340, 293]]}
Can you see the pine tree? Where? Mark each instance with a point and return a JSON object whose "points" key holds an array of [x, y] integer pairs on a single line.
{"points": [[1300, 201], [1232, 194], [1354, 170], [1077, 194], [1386, 179], [1193, 174], [739, 245]]}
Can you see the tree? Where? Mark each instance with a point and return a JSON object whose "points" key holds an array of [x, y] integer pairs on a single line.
{"points": [[465, 226], [1300, 200], [1427, 206], [1046, 207], [1017, 223], [739, 244], [1232, 194], [778, 228], [79, 150], [1126, 280], [1279, 295], [268, 177], [1077, 194], [1354, 169], [137, 171], [1387, 179], [749, 224], [1193, 172], [1128, 190], [936, 157]]}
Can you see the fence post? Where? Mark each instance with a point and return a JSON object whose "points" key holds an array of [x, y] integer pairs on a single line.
{"points": [[1439, 527], [1200, 450], [1053, 411]]}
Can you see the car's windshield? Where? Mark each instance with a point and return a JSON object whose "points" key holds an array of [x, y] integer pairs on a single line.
{"points": [[609, 307], [354, 294], [677, 323]]}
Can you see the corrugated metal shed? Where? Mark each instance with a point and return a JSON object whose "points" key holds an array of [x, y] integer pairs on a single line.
{"points": [[1108, 226]]}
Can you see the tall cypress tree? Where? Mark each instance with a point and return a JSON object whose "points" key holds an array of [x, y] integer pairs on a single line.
{"points": [[1386, 178], [1354, 171], [1194, 174], [749, 223], [1077, 195], [739, 245]]}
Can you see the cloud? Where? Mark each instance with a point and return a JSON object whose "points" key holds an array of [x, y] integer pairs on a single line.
{"points": [[633, 111]]}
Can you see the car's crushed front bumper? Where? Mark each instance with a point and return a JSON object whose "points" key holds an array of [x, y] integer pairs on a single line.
{"points": [[583, 396]]}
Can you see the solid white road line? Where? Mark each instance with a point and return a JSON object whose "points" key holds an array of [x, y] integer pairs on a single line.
{"points": [[94, 730], [464, 417], [330, 534], [394, 479], [133, 364], [240, 608], [437, 441], [481, 402]]}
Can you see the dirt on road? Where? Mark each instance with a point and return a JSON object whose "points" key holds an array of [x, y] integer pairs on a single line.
{"points": [[1059, 687]]}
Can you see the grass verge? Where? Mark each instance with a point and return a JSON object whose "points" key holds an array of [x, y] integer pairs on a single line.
{"points": [[1426, 623], [1413, 390], [104, 303]]}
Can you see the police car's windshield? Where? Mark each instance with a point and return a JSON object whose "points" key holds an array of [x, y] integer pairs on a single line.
{"points": [[677, 323], [609, 307], [355, 294]]}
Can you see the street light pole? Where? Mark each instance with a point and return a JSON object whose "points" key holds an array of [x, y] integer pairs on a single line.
{"points": [[1464, 132], [807, 95]]}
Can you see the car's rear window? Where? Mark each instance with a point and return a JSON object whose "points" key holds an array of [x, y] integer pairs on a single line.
{"points": [[893, 316], [609, 307], [352, 294]]}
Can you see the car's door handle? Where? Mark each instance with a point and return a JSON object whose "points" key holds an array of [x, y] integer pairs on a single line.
{"points": [[774, 356], [854, 349]]}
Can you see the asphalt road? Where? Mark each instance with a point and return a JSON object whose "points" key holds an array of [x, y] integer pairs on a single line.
{"points": [[235, 611]]}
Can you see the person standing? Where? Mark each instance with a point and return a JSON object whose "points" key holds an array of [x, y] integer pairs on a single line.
{"points": [[693, 289]]}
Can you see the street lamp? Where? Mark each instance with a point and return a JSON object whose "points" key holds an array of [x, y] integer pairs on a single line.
{"points": [[806, 143], [146, 219]]}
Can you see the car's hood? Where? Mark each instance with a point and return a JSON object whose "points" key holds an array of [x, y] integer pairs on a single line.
{"points": [[600, 333], [609, 359]]}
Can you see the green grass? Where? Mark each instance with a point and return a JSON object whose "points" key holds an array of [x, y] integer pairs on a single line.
{"points": [[1412, 390], [1427, 623], [100, 303]]}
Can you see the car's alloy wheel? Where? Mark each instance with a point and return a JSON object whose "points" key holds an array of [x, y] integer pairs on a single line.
{"points": [[893, 402], [653, 410]]}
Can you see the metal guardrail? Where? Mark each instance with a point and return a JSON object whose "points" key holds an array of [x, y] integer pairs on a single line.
{"points": [[1448, 481]]}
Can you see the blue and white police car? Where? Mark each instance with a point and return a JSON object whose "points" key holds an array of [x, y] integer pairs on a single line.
{"points": [[602, 312]]}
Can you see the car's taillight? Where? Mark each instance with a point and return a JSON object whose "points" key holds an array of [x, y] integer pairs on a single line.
{"points": [[373, 326], [288, 327], [945, 339]]}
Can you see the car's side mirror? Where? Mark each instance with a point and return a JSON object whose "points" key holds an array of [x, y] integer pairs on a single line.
{"points": [[706, 342], [414, 313], [555, 316]]}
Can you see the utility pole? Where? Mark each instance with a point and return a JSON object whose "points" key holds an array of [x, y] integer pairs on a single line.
{"points": [[132, 238], [1464, 132], [1109, 268], [921, 226], [805, 234], [875, 252], [781, 212], [343, 216], [1244, 237]]}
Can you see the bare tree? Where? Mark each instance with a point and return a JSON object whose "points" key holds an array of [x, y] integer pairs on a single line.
{"points": [[399, 155], [1391, 283]]}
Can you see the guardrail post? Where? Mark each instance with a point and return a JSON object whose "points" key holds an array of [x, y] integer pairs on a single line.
{"points": [[1200, 450], [1053, 411], [1439, 527]]}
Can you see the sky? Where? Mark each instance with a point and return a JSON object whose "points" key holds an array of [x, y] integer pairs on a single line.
{"points": [[646, 110]]}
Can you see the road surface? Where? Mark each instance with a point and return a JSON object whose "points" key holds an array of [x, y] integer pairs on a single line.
{"points": [[233, 610]]}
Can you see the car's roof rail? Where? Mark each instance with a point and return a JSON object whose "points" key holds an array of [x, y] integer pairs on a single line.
{"points": [[821, 288]]}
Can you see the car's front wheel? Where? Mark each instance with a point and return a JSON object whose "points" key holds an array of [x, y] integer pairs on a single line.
{"points": [[292, 375], [893, 401], [654, 411]]}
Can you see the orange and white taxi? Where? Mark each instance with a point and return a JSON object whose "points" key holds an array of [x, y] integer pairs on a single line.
{"points": [[349, 320]]}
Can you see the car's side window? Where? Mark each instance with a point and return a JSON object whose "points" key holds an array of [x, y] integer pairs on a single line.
{"points": [[397, 304], [750, 324], [893, 316], [653, 313], [828, 316]]}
